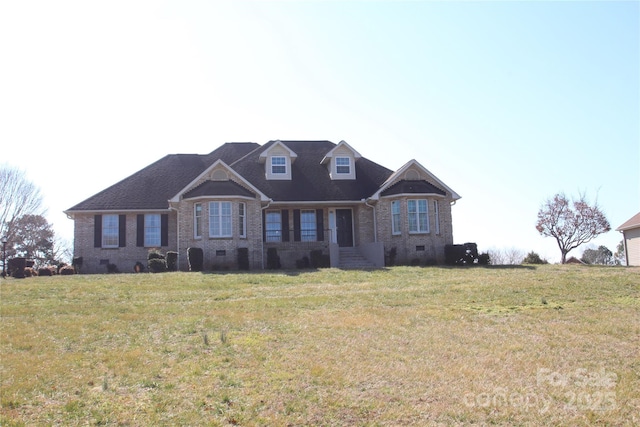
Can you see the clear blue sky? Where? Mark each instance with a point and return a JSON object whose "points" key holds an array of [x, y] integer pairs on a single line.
{"points": [[508, 102]]}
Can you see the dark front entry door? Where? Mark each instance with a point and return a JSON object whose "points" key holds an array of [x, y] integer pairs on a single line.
{"points": [[344, 224]]}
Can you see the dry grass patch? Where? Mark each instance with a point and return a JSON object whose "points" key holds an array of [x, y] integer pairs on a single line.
{"points": [[404, 346]]}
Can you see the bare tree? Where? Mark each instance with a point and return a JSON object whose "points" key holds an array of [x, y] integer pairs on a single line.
{"points": [[18, 197], [505, 256], [571, 222]]}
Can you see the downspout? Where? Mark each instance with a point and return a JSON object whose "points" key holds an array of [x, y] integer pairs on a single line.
{"points": [[262, 232], [624, 244], [177, 232], [375, 221]]}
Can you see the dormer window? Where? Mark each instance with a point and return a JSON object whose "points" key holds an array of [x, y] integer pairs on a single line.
{"points": [[343, 165], [278, 160], [340, 162], [278, 165]]}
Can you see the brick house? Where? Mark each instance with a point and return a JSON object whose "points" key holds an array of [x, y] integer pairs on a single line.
{"points": [[293, 196]]}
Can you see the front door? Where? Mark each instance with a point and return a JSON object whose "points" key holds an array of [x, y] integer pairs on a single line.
{"points": [[344, 225]]}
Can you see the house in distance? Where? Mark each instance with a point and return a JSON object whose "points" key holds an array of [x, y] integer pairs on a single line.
{"points": [[289, 198]]}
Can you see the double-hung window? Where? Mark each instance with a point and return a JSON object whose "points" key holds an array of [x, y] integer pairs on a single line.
{"points": [[242, 220], [308, 226], [197, 220], [395, 217], [343, 165], [110, 231], [220, 219], [152, 227], [418, 216], [278, 165], [436, 211], [273, 226]]}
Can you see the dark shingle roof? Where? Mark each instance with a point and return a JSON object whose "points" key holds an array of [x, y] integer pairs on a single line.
{"points": [[310, 180], [153, 186], [412, 187], [219, 188]]}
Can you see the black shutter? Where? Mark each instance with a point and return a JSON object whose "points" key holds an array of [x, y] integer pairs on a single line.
{"points": [[122, 231], [140, 231], [296, 225], [285, 225], [164, 230], [97, 231], [264, 226], [320, 225]]}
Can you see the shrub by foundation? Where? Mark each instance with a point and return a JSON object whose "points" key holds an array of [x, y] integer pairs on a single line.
{"points": [[484, 259], [45, 271], [157, 265], [172, 261], [111, 269], [319, 260], [243, 258], [139, 267], [68, 270], [273, 260], [77, 263], [303, 263], [17, 269], [390, 259], [196, 259]]}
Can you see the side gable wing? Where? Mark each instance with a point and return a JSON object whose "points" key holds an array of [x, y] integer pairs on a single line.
{"points": [[412, 177]]}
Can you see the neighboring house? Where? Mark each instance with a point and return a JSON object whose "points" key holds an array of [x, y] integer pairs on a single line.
{"points": [[294, 196], [631, 237]]}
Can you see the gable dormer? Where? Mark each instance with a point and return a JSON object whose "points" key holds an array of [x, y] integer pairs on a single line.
{"points": [[341, 161], [277, 160]]}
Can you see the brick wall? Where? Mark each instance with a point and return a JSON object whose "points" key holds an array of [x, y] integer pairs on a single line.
{"points": [[427, 247], [221, 253], [95, 259]]}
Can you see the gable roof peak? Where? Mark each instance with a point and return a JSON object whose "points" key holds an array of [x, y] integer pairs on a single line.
{"points": [[217, 164], [397, 175], [339, 146], [272, 145]]}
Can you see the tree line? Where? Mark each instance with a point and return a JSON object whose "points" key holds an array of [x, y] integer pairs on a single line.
{"points": [[24, 230]]}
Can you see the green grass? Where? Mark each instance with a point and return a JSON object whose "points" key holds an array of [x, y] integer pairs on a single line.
{"points": [[554, 345]]}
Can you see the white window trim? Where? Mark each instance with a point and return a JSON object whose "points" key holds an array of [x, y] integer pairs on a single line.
{"points": [[215, 222], [417, 213], [348, 165], [268, 238], [335, 175], [397, 231], [285, 165], [104, 229], [242, 220], [310, 237], [197, 231], [436, 209], [148, 244]]}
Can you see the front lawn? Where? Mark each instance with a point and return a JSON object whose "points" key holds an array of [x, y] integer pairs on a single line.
{"points": [[402, 346]]}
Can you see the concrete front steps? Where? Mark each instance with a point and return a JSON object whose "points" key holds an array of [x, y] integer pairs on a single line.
{"points": [[350, 258]]}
